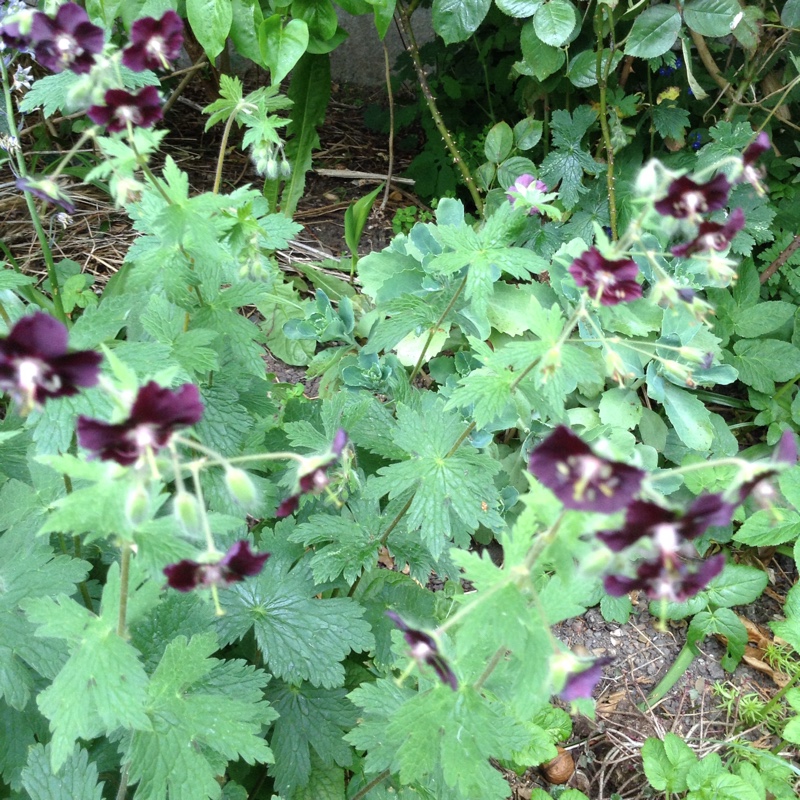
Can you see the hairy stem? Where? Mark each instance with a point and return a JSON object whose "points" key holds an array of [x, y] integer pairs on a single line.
{"points": [[222, 148], [602, 83], [782, 258], [124, 579], [413, 50], [490, 668], [363, 792], [390, 97]]}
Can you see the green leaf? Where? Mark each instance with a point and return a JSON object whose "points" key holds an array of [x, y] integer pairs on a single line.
{"points": [[689, 416], [203, 712], [554, 22], [210, 21], [311, 721], [582, 71], [19, 733], [319, 15], [246, 18], [445, 488], [457, 20], [767, 528], [301, 638], [281, 46], [454, 734], [11, 280], [356, 216], [666, 763], [620, 408], [790, 14], [527, 133], [724, 622], [103, 685], [737, 585], [762, 362], [519, 8], [670, 119], [540, 59], [654, 31], [569, 160], [310, 90], [711, 17], [76, 779], [499, 142]]}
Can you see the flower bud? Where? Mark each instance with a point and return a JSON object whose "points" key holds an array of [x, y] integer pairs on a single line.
{"points": [[286, 169], [271, 169], [647, 181], [137, 506], [241, 486], [187, 510]]}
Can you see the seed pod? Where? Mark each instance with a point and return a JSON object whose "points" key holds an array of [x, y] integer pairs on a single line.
{"points": [[560, 769]]}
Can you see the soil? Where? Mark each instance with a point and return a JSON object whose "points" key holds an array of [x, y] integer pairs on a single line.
{"points": [[605, 750]]}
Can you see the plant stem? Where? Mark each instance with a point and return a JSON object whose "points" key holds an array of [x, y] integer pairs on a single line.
{"points": [[776, 698], [490, 668], [413, 50], [222, 148], [684, 659], [602, 83], [390, 167], [124, 578], [782, 258], [47, 253], [363, 792], [123, 782], [432, 332]]}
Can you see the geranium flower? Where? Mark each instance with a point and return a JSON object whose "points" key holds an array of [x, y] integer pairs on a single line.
{"points": [[580, 685], [712, 235], [154, 43], [35, 364], [156, 414], [516, 192], [581, 480], [48, 190], [686, 199], [142, 110], [666, 579], [313, 476], [424, 650], [236, 565], [12, 37], [667, 529], [67, 41], [750, 172], [609, 282]]}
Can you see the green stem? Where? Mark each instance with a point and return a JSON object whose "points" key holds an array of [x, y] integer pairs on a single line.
{"points": [[124, 579], [490, 668], [432, 332], [123, 782], [413, 50], [47, 253], [223, 146], [776, 698], [363, 792], [687, 654], [602, 83]]}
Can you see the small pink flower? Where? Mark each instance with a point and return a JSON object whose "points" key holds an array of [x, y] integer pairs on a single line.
{"points": [[516, 192]]}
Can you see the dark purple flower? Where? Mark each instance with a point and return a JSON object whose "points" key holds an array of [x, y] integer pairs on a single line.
{"points": [[236, 565], [154, 42], [424, 650], [667, 529], [142, 110], [156, 414], [516, 192], [756, 149], [12, 37], [67, 41], [609, 282], [313, 476], [712, 235], [666, 579], [686, 199], [580, 685], [47, 190], [785, 453], [579, 478], [35, 364]]}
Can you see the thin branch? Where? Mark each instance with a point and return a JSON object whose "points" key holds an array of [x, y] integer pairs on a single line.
{"points": [[782, 258]]}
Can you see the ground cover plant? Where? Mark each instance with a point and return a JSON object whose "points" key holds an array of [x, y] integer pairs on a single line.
{"points": [[564, 389]]}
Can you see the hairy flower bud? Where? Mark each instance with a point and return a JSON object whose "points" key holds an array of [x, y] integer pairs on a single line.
{"points": [[137, 506], [241, 486], [187, 511]]}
